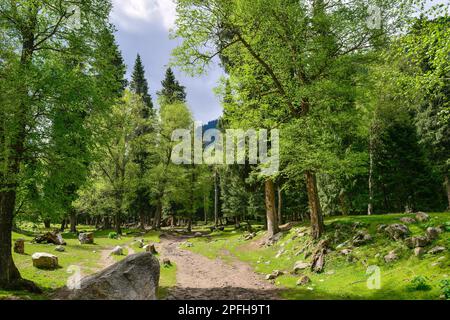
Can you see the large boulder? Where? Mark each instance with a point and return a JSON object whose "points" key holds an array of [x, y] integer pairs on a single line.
{"points": [[50, 237], [433, 233], [436, 250], [419, 241], [300, 265], [134, 278], [422, 216], [407, 220], [43, 260], [86, 238], [397, 231], [19, 246], [361, 237]]}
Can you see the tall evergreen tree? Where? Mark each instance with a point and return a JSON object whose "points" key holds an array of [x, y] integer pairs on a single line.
{"points": [[139, 85], [171, 91]]}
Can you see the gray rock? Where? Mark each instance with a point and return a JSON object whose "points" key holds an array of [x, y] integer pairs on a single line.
{"points": [[391, 257], [19, 246], [436, 250], [151, 248], [303, 280], [60, 249], [86, 238], [279, 253], [433, 233], [134, 278], [408, 220], [422, 216], [300, 265], [43, 260], [117, 251], [397, 231], [346, 252], [275, 274], [198, 234], [167, 262], [418, 252], [361, 237], [419, 241]]}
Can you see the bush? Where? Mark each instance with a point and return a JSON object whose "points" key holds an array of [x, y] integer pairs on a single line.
{"points": [[419, 283], [113, 235], [445, 288]]}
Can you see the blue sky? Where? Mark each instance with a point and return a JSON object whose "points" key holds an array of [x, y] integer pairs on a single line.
{"points": [[143, 27]]}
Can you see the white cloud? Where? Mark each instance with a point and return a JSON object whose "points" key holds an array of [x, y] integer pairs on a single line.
{"points": [[130, 14]]}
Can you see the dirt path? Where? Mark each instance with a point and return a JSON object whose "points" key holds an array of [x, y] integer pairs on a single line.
{"points": [[200, 278]]}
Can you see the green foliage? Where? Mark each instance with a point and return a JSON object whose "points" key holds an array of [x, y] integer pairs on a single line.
{"points": [[445, 288], [419, 283], [113, 235]]}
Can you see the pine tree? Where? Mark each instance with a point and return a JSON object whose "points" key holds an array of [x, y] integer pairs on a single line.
{"points": [[171, 91], [139, 85]]}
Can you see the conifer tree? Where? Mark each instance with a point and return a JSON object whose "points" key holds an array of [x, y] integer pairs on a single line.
{"points": [[139, 85], [171, 91]]}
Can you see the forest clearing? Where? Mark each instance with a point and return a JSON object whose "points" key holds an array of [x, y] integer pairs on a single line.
{"points": [[224, 150]]}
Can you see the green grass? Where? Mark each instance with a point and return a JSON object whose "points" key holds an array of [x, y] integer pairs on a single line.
{"points": [[342, 279], [87, 257]]}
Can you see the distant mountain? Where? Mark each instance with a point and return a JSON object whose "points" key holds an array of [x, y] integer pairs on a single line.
{"points": [[211, 125]]}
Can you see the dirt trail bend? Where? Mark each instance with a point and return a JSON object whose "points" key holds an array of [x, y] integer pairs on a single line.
{"points": [[200, 278]]}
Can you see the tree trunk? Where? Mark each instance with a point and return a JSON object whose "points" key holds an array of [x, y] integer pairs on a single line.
{"points": [[157, 220], [63, 225], [9, 274], [370, 205], [73, 221], [142, 219], [280, 206], [317, 226], [118, 222], [47, 224], [189, 226], [106, 223], [272, 223], [447, 185], [216, 199]]}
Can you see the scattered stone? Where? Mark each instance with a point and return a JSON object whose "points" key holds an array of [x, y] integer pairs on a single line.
{"points": [[141, 243], [151, 248], [43, 260], [422, 216], [19, 246], [346, 252], [303, 280], [198, 234], [167, 262], [86, 238], [286, 227], [250, 236], [134, 278], [275, 274], [397, 231], [433, 233], [342, 245], [419, 241], [117, 251], [60, 249], [331, 272], [390, 257], [300, 265], [418, 252], [361, 237], [381, 227], [436, 250], [50, 237], [279, 253], [408, 220]]}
